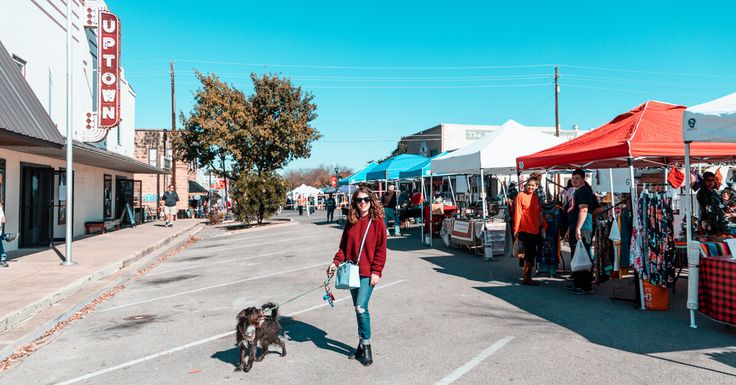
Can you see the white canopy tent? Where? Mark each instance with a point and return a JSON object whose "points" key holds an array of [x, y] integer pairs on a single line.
{"points": [[306, 191], [496, 152], [714, 121]]}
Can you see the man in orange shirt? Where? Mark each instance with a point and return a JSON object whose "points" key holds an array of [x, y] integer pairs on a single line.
{"points": [[527, 223]]}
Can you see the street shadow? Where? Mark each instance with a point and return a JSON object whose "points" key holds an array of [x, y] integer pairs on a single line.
{"points": [[299, 331], [232, 355], [596, 317], [229, 356], [333, 223], [296, 331]]}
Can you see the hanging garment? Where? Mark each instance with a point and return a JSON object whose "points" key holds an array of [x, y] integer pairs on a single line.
{"points": [[624, 220], [549, 248], [603, 250], [657, 239], [638, 241]]}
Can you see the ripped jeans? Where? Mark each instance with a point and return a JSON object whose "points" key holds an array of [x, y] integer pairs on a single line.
{"points": [[361, 296]]}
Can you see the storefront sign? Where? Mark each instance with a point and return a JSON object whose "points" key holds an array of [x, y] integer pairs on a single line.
{"points": [[108, 59], [107, 115]]}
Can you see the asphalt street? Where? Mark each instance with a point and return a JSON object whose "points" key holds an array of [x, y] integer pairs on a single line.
{"points": [[439, 316]]}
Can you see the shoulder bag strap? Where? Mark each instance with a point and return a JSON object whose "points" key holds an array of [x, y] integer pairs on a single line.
{"points": [[363, 241]]}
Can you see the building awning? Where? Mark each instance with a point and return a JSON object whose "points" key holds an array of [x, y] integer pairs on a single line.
{"points": [[94, 156], [23, 120], [196, 188]]}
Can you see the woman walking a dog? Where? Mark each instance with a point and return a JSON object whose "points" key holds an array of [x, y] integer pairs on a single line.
{"points": [[365, 219]]}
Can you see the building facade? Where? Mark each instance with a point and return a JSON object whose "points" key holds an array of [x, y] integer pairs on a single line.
{"points": [[448, 137], [152, 146], [33, 126]]}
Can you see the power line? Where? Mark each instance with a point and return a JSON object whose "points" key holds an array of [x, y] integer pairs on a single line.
{"points": [[642, 81], [626, 90], [645, 72], [365, 67]]}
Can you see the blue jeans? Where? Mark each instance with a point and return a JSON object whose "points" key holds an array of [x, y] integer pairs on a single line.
{"points": [[3, 257], [390, 214], [361, 296]]}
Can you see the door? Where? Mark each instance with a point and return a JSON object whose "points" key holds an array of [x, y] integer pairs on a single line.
{"points": [[36, 201], [123, 195]]}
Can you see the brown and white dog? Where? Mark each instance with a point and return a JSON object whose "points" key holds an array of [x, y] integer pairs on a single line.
{"points": [[255, 328]]}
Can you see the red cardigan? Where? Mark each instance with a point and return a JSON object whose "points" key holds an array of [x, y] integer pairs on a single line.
{"points": [[374, 250]]}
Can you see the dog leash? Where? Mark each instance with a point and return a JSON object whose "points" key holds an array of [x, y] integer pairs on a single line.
{"points": [[329, 297]]}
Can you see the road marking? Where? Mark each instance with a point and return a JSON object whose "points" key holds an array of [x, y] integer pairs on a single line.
{"points": [[231, 247], [245, 237], [210, 287], [197, 343], [459, 372], [228, 261]]}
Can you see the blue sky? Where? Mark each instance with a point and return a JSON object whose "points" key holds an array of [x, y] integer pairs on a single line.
{"points": [[381, 70]]}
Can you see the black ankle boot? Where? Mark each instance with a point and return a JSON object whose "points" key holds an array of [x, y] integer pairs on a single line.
{"points": [[358, 354], [367, 358]]}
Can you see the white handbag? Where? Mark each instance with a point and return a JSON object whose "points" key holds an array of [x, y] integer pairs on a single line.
{"points": [[581, 260], [348, 273]]}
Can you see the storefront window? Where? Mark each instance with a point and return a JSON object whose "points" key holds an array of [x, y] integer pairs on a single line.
{"points": [[107, 196]]}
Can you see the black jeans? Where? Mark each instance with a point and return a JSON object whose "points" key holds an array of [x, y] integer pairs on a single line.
{"points": [[530, 242], [584, 279], [330, 215]]}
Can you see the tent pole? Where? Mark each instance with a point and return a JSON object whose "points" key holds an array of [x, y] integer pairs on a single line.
{"points": [[452, 191], [616, 251], [431, 201], [421, 239], [693, 257], [483, 195], [634, 211]]}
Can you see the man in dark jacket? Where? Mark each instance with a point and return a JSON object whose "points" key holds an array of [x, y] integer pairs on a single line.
{"points": [[169, 200], [389, 209]]}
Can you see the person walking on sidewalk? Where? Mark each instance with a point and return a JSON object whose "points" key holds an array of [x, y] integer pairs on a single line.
{"points": [[580, 220], [364, 221], [300, 204], [169, 200], [389, 210], [527, 222], [330, 205], [4, 237]]}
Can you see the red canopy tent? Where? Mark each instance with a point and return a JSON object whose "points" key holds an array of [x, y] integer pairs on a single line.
{"points": [[649, 135]]}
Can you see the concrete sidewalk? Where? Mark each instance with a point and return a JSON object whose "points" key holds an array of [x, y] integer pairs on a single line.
{"points": [[36, 291]]}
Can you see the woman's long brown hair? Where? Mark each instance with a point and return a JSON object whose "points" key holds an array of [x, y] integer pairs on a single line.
{"points": [[375, 212]]}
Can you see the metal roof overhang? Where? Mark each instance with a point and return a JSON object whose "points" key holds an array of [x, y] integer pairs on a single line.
{"points": [[23, 120], [196, 188], [94, 156]]}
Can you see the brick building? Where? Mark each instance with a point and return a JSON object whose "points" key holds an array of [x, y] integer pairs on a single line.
{"points": [[151, 149]]}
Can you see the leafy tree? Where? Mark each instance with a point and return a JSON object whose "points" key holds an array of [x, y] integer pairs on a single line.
{"points": [[215, 128], [259, 196], [279, 130], [248, 137]]}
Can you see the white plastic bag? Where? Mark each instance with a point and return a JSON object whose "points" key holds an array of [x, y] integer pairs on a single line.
{"points": [[581, 259]]}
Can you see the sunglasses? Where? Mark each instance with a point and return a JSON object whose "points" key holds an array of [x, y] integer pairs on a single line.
{"points": [[363, 199]]}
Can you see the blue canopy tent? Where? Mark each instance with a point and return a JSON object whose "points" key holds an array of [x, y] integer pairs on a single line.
{"points": [[419, 170], [358, 176], [390, 169]]}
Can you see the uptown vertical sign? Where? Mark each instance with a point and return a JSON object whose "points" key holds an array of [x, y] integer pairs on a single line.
{"points": [[107, 114], [108, 79]]}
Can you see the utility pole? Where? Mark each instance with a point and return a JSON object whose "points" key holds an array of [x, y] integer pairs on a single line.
{"points": [[68, 260], [173, 127], [557, 102], [557, 121]]}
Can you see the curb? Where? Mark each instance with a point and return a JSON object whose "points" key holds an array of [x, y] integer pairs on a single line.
{"points": [[139, 258]]}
